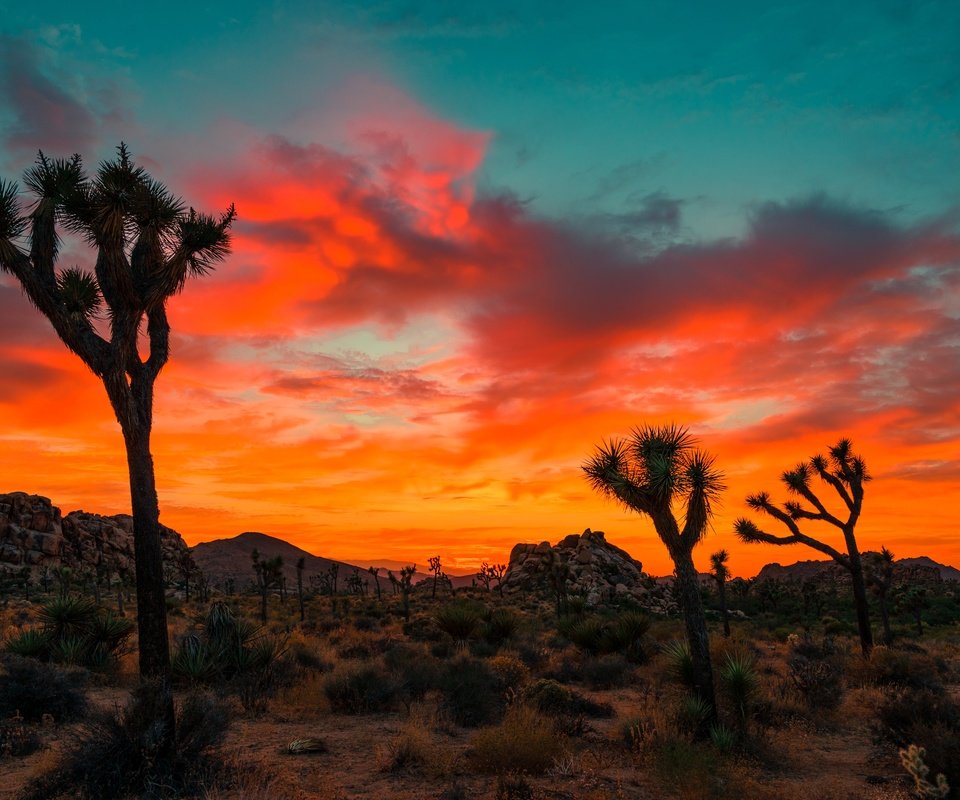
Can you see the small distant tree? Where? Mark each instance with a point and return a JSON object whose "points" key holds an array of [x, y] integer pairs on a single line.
{"points": [[334, 571], [655, 472], [559, 575], [301, 565], [844, 472], [499, 571], [375, 572], [880, 574], [720, 572], [485, 575], [394, 581], [405, 585], [269, 573], [26, 581], [355, 584], [914, 601], [64, 578], [437, 571]]}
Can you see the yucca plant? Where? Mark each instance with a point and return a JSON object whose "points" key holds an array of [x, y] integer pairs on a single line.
{"points": [[459, 620], [741, 681], [32, 643], [679, 661], [500, 625]]}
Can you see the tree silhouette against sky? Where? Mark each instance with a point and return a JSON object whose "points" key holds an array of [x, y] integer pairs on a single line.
{"points": [[844, 472], [656, 471], [147, 244]]}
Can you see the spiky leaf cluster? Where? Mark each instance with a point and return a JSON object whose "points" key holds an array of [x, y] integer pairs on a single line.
{"points": [[655, 469]]}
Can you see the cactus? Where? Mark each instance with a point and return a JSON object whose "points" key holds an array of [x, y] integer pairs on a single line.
{"points": [[913, 762]]}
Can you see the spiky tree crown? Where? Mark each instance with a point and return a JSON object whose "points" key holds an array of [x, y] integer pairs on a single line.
{"points": [[656, 469]]}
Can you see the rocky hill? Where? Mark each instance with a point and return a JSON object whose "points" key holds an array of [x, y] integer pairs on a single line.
{"points": [[35, 534], [921, 568], [594, 569], [224, 560]]}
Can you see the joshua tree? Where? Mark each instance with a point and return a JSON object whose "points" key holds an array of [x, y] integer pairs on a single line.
{"points": [[845, 473], [269, 573], [718, 567], [147, 244], [301, 565], [405, 585], [375, 571], [437, 571], [914, 601], [656, 471], [880, 572]]}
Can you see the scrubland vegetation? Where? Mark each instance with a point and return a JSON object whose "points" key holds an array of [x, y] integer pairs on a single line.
{"points": [[478, 695]]}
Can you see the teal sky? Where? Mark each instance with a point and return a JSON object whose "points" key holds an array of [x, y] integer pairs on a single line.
{"points": [[592, 107]]}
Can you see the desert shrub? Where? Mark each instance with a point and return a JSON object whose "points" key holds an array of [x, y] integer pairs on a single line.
{"points": [[306, 657], [692, 769], [513, 786], [585, 632], [887, 666], [524, 741], [16, 739], [234, 655], [692, 713], [74, 631], [816, 672], [627, 634], [117, 755], [500, 625], [422, 629], [926, 718], [359, 688], [605, 672], [366, 622], [459, 619], [472, 694], [35, 689], [413, 672], [511, 672], [554, 699]]}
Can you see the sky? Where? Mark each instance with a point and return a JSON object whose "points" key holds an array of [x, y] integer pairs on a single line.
{"points": [[473, 242]]}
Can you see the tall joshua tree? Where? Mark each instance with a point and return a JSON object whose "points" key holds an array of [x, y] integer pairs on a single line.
{"points": [[146, 245], [720, 571], [844, 472], [657, 471]]}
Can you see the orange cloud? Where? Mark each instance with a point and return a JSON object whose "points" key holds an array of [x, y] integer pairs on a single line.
{"points": [[393, 365]]}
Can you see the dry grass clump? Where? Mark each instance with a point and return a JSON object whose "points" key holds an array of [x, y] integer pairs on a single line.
{"points": [[415, 749], [525, 741]]}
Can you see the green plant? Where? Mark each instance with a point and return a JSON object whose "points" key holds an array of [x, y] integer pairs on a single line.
{"points": [[740, 681], [501, 624], [722, 737], [693, 713], [679, 662], [459, 620]]}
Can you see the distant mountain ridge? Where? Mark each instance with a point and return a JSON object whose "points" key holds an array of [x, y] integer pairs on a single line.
{"points": [[803, 570], [225, 560]]}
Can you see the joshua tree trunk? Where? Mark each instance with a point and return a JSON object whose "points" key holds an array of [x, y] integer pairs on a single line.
{"points": [[722, 588], [885, 620], [860, 597], [691, 606]]}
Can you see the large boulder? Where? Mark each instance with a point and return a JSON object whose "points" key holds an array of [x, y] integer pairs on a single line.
{"points": [[595, 570], [34, 533]]}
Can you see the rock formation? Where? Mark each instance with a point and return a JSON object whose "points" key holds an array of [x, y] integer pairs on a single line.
{"points": [[34, 534], [596, 570]]}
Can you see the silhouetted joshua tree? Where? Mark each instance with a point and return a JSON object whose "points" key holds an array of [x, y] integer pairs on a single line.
{"points": [[301, 565], [718, 567], [147, 244], [653, 472], [437, 570], [845, 473], [375, 571], [880, 573]]}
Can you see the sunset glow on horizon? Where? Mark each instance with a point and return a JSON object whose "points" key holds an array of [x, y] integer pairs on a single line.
{"points": [[443, 295]]}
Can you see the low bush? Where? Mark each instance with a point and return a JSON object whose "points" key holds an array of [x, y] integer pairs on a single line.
{"points": [[359, 688], [500, 626], [472, 693], [117, 755], [34, 689], [524, 742], [926, 718], [459, 619], [554, 699], [606, 672]]}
